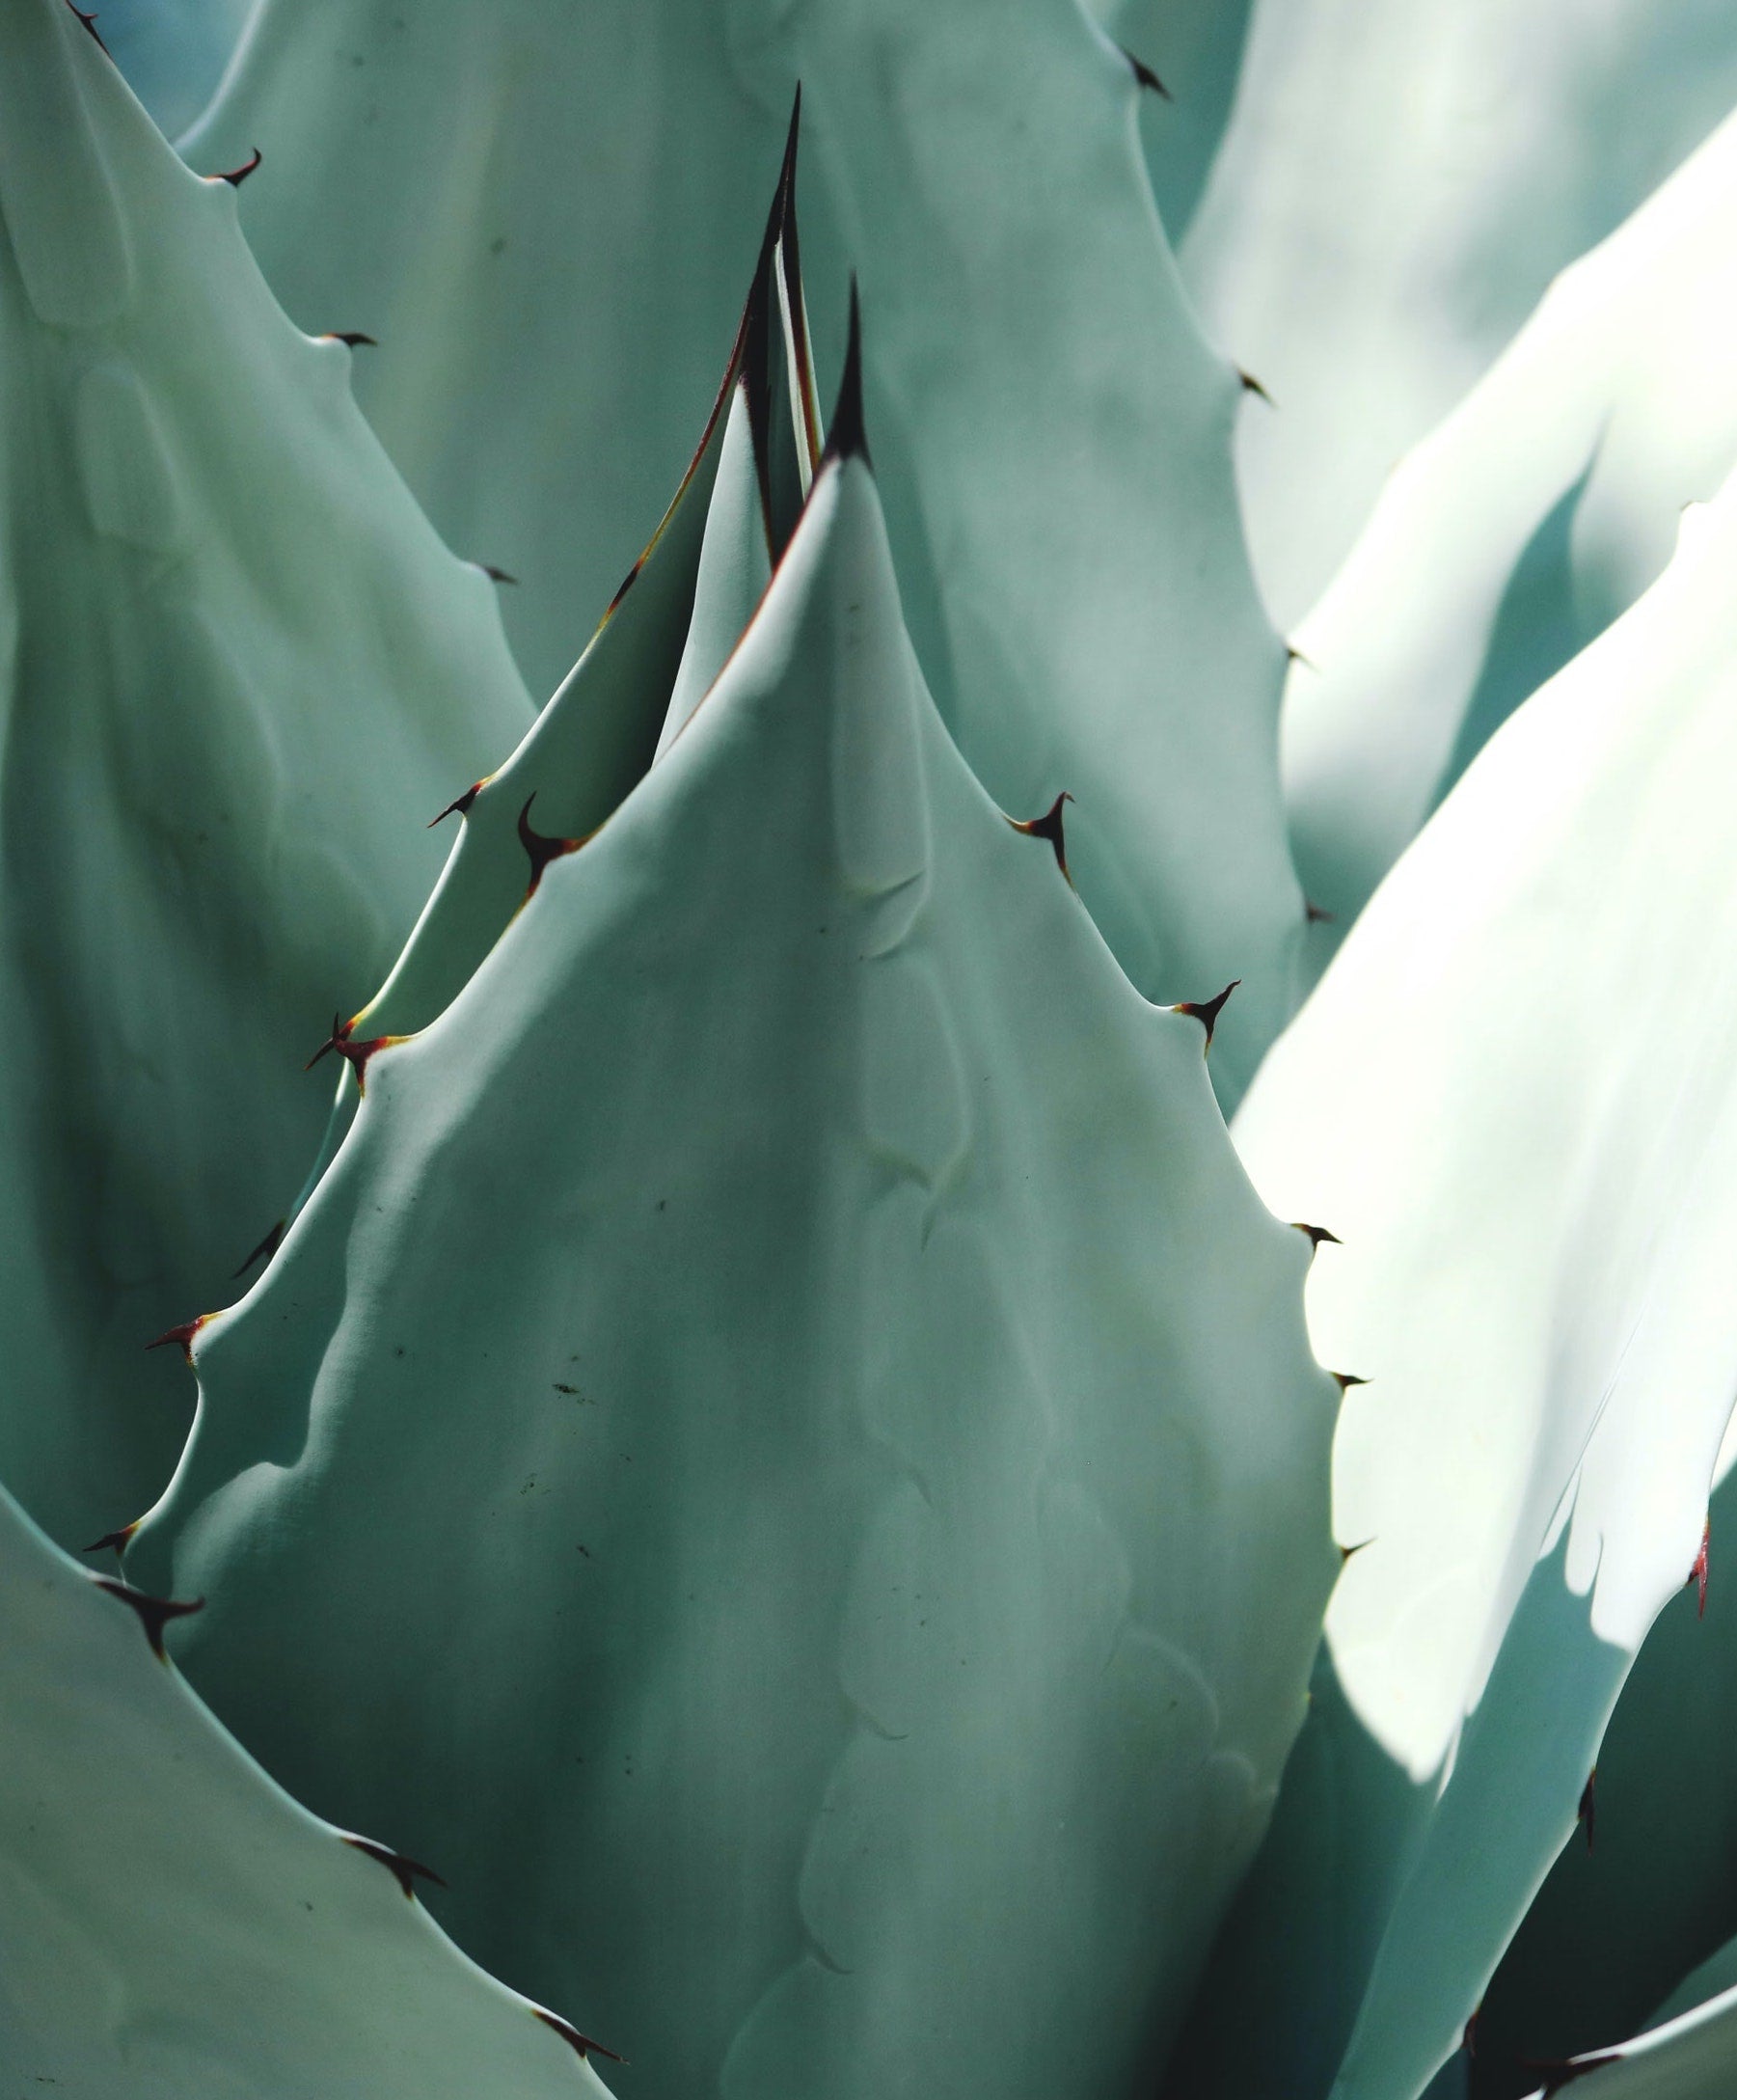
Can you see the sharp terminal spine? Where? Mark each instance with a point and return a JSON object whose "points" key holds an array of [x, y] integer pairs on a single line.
{"points": [[846, 438]]}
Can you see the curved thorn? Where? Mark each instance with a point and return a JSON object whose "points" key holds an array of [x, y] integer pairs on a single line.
{"points": [[1207, 1010], [541, 848], [1345, 1379], [846, 436], [570, 2034], [1315, 916], [352, 339], [266, 1249], [1586, 1815], [459, 806], [495, 574], [340, 1036], [1048, 826], [154, 1612], [1468, 2038], [235, 177], [182, 1337], [90, 22], [1697, 1574], [1145, 75], [1316, 1233], [355, 1054], [1297, 656], [1251, 385], [119, 1540], [403, 1870], [1346, 1552]]}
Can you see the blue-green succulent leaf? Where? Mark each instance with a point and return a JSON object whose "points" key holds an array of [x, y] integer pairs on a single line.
{"points": [[1052, 430], [1516, 532], [1397, 187], [784, 1440], [1511, 1096], [237, 670], [176, 1925]]}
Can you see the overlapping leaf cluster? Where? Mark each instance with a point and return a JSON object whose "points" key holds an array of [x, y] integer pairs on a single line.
{"points": [[772, 1461]]}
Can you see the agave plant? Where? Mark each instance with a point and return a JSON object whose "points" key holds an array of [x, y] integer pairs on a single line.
{"points": [[768, 1474]]}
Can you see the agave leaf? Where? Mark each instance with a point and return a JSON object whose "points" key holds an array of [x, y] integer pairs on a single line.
{"points": [[1192, 49], [1541, 508], [175, 1924], [237, 671], [1540, 1305], [173, 52], [792, 1328], [1619, 1923], [1693, 2057], [548, 252], [1397, 186]]}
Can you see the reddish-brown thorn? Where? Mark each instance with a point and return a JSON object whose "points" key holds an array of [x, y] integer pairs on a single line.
{"points": [[403, 1870], [117, 1540], [1297, 656], [1145, 75], [495, 574], [1316, 1234], [352, 339], [1556, 2073], [1345, 1379], [266, 1249], [1586, 1815], [570, 2034], [1468, 2037], [154, 1612], [355, 1054], [1315, 916], [1697, 1574], [1251, 385], [1346, 1552], [1207, 1010], [539, 849], [1048, 826], [90, 22], [182, 1336], [235, 177], [459, 806]]}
